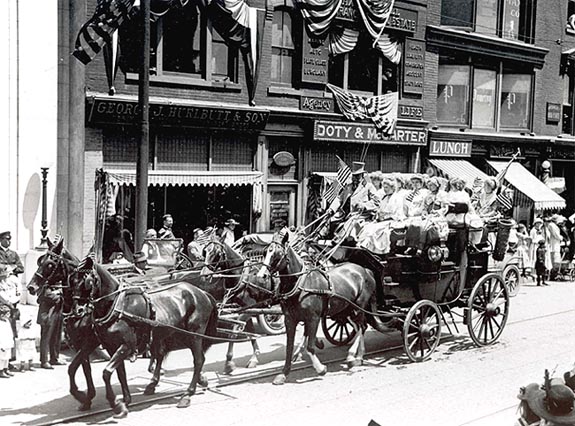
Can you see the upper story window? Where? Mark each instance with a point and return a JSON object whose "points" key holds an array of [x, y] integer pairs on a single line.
{"points": [[568, 92], [184, 47], [363, 70], [510, 19], [484, 98], [283, 46]]}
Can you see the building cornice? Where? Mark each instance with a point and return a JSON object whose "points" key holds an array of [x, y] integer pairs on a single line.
{"points": [[470, 42]]}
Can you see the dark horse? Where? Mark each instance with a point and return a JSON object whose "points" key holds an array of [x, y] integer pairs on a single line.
{"points": [[176, 316], [306, 295], [228, 287], [55, 268]]}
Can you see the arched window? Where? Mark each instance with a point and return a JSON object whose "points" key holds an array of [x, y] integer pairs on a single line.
{"points": [[283, 47]]}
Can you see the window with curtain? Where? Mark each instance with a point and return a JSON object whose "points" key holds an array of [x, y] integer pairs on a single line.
{"points": [[283, 47], [515, 101], [484, 82], [452, 94]]}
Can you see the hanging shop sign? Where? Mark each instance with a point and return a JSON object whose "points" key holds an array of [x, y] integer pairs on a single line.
{"points": [[402, 20], [359, 132], [410, 111], [315, 58], [310, 103], [413, 66], [450, 148], [553, 113], [128, 112], [347, 12], [284, 159]]}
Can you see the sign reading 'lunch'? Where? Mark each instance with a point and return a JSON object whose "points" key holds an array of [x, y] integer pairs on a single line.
{"points": [[450, 148], [360, 132], [126, 112]]}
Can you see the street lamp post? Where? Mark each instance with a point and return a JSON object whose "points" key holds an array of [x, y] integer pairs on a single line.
{"points": [[44, 223]]}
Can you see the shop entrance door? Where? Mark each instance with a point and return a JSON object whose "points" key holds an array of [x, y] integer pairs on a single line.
{"points": [[282, 204]]}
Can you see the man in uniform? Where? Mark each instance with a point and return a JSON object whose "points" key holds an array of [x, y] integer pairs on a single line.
{"points": [[50, 321], [165, 232]]}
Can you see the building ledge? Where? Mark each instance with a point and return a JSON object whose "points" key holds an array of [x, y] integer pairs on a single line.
{"points": [[470, 42], [457, 135]]}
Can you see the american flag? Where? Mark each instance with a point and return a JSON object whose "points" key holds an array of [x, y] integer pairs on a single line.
{"points": [[343, 178], [382, 109], [504, 199], [98, 31]]}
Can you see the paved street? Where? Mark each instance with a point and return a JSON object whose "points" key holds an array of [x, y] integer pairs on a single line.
{"points": [[460, 385]]}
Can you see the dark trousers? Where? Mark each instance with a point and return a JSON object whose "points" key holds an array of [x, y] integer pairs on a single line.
{"points": [[540, 270], [50, 337]]}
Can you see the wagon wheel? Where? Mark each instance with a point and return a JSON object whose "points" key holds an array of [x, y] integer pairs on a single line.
{"points": [[271, 324], [512, 278], [338, 331], [183, 262], [421, 330], [487, 309]]}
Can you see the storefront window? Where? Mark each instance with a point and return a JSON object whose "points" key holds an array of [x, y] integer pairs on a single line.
{"points": [[452, 94], [484, 98], [282, 47], [515, 101]]}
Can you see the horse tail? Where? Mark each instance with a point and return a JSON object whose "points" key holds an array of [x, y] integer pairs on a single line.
{"points": [[212, 325]]}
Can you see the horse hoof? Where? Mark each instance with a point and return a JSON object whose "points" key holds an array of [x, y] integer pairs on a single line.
{"points": [[323, 371], [150, 390], [253, 363], [229, 367], [319, 344], [280, 379], [355, 362], [86, 406], [184, 402], [203, 381], [120, 410]]}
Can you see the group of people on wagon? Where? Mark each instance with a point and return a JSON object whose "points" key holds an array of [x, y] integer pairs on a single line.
{"points": [[377, 204]]}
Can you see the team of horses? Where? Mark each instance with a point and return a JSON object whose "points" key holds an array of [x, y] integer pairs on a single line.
{"points": [[183, 312]]}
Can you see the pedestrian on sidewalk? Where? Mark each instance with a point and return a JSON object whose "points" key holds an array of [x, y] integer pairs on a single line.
{"points": [[540, 268], [6, 342]]}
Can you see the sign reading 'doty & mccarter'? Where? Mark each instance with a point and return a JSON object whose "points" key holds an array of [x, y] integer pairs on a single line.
{"points": [[128, 112], [363, 132]]}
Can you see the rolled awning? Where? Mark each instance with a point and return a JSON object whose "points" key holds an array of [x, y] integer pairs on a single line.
{"points": [[458, 168], [523, 181], [191, 178]]}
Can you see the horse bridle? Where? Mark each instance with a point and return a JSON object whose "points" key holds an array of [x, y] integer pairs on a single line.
{"points": [[222, 254], [61, 262]]}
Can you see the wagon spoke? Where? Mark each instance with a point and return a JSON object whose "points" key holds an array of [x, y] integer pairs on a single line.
{"points": [[333, 324], [491, 327], [478, 307], [412, 344], [341, 333]]}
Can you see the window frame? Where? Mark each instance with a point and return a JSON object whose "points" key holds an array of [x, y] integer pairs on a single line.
{"points": [[284, 8]]}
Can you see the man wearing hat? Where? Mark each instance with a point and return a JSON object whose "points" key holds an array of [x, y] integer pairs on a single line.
{"points": [[361, 189], [165, 232], [195, 248], [228, 236], [142, 268]]}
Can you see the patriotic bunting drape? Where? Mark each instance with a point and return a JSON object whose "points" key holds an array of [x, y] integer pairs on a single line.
{"points": [[381, 110]]}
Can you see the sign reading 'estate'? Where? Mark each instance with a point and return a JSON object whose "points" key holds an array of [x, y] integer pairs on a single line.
{"points": [[360, 132], [413, 66], [450, 148], [315, 57], [126, 112], [402, 20]]}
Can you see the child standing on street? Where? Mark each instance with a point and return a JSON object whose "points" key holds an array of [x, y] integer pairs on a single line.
{"points": [[6, 341], [26, 346], [540, 269]]}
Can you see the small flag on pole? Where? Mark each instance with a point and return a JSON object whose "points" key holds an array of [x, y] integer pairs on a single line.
{"points": [[343, 178]]}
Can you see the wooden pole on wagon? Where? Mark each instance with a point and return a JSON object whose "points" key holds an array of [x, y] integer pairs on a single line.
{"points": [[144, 145]]}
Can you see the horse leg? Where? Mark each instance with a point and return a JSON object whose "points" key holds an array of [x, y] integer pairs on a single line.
{"points": [[311, 326], [199, 358], [290, 324], [299, 348], [353, 358], [151, 388], [82, 358], [230, 366], [127, 397], [254, 361], [119, 407]]}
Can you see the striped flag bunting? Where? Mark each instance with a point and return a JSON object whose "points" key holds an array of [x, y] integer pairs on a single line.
{"points": [[342, 179], [97, 32], [206, 236], [504, 200], [381, 110]]}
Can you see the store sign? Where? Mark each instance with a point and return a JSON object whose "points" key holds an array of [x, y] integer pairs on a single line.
{"points": [[310, 103], [402, 20], [126, 112], [410, 111], [315, 57], [450, 148], [284, 159], [347, 11], [413, 66], [359, 132], [553, 113]]}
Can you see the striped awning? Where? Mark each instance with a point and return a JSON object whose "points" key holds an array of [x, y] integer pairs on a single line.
{"points": [[543, 197], [191, 178], [458, 168]]}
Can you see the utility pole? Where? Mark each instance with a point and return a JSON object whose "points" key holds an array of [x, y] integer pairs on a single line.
{"points": [[144, 145]]}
